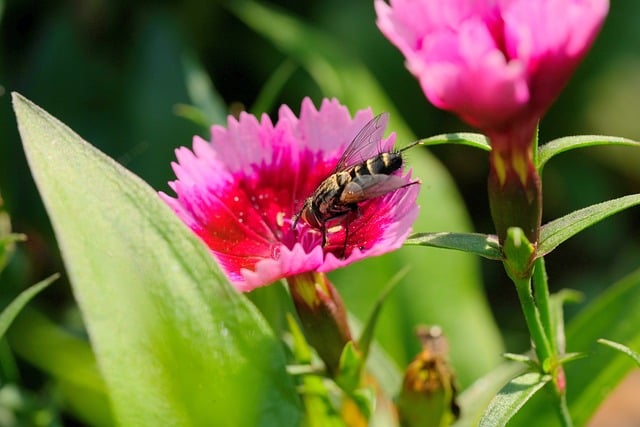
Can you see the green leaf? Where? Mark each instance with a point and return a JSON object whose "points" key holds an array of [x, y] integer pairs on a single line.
{"points": [[366, 337], [570, 357], [301, 350], [205, 98], [475, 140], [193, 114], [7, 238], [521, 358], [512, 397], [272, 87], [13, 309], [621, 348], [319, 410], [613, 314], [485, 245], [349, 379], [364, 399], [560, 145], [5, 221], [7, 246], [559, 230], [68, 361], [474, 400], [176, 344], [351, 363], [556, 308]]}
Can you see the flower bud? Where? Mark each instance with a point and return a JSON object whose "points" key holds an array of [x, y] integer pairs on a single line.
{"points": [[323, 317]]}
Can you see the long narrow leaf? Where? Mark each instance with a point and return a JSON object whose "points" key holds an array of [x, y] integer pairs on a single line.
{"points": [[475, 399], [556, 232], [12, 310], [175, 343], [366, 337], [512, 397], [560, 145], [272, 87], [485, 245], [203, 94], [68, 360], [475, 140], [621, 348]]}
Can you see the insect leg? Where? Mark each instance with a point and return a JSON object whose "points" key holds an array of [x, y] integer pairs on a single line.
{"points": [[323, 230]]}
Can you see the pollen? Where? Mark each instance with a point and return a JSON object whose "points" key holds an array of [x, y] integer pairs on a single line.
{"points": [[335, 228], [280, 219]]}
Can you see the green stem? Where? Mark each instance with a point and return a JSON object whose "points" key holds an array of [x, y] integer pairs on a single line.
{"points": [[541, 292], [532, 317], [563, 411]]}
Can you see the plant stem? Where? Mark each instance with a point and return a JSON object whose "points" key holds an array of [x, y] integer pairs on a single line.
{"points": [[532, 317], [541, 293], [563, 411]]}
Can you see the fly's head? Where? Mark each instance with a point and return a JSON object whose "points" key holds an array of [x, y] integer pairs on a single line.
{"points": [[308, 215]]}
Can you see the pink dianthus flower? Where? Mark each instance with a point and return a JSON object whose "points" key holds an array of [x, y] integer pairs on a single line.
{"points": [[239, 192], [495, 63]]}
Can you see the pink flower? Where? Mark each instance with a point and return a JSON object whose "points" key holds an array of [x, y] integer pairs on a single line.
{"points": [[239, 192], [495, 63]]}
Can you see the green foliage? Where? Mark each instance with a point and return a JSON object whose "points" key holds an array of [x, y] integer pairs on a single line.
{"points": [[560, 145], [208, 107], [136, 269], [486, 246], [621, 348], [366, 337], [319, 411], [7, 238], [512, 397], [12, 310], [68, 361], [614, 315], [559, 230], [475, 140], [476, 398]]}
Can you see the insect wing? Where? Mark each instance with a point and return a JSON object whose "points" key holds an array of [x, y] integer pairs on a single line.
{"points": [[369, 186], [370, 134]]}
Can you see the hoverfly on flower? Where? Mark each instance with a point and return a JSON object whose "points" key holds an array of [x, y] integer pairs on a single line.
{"points": [[354, 180]]}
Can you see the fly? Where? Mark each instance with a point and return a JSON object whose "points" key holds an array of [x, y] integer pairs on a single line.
{"points": [[354, 180]]}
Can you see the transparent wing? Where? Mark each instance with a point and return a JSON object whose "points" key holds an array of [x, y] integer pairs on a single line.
{"points": [[369, 186], [370, 134]]}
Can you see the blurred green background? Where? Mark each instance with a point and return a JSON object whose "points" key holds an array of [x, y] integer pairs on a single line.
{"points": [[113, 71]]}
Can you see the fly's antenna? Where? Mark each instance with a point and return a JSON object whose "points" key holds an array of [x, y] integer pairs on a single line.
{"points": [[411, 145]]}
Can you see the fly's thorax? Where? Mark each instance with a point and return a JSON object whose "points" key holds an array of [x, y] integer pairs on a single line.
{"points": [[327, 195], [342, 178], [330, 188]]}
